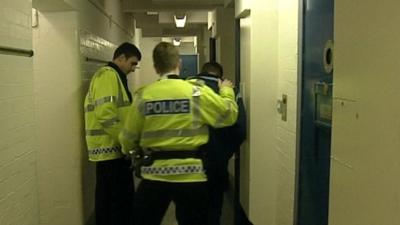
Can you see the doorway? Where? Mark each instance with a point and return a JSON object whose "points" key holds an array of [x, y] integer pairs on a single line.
{"points": [[190, 65]]}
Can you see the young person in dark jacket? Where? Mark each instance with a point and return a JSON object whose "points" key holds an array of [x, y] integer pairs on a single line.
{"points": [[222, 144]]}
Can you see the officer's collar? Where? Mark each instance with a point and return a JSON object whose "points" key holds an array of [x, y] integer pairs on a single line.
{"points": [[208, 76], [169, 76], [116, 68]]}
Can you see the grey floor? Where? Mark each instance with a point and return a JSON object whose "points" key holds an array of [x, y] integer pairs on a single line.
{"points": [[227, 212]]}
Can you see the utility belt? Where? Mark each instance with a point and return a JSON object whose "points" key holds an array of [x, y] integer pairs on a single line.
{"points": [[146, 157]]}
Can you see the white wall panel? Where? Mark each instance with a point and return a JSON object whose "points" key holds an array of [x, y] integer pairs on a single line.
{"points": [[366, 123], [95, 21], [58, 104], [147, 72], [245, 59], [269, 69], [63, 40], [286, 130], [18, 178]]}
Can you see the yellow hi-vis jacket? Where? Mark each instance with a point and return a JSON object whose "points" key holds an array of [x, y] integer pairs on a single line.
{"points": [[106, 107], [173, 114]]}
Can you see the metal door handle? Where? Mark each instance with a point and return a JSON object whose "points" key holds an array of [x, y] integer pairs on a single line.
{"points": [[281, 107]]}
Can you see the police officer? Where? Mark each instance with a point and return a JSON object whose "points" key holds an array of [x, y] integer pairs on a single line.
{"points": [[223, 142], [168, 120], [106, 107]]}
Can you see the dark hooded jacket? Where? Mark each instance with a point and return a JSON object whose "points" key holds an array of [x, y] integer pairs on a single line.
{"points": [[223, 142]]}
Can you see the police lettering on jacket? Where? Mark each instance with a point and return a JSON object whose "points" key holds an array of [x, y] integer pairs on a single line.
{"points": [[176, 106]]}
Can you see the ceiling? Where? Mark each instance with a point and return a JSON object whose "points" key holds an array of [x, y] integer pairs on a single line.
{"points": [[155, 17], [164, 5]]}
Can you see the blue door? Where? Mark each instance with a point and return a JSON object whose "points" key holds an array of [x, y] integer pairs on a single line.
{"points": [[189, 65], [316, 113]]}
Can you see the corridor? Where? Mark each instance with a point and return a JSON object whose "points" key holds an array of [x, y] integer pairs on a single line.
{"points": [[319, 80]]}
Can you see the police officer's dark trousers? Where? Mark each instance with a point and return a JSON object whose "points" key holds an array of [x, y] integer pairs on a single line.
{"points": [[153, 198], [217, 184], [114, 193], [216, 199]]}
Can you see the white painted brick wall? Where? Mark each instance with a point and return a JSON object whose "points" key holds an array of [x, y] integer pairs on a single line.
{"points": [[93, 47], [15, 23], [18, 180], [147, 71], [286, 131], [272, 45], [59, 119], [61, 76]]}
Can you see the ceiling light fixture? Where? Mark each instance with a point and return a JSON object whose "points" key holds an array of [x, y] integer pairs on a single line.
{"points": [[180, 21], [176, 41]]}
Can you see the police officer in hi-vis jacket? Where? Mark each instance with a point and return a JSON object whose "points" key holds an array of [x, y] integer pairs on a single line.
{"points": [[106, 107], [168, 122]]}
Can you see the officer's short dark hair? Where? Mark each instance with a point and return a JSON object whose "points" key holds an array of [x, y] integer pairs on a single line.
{"points": [[165, 57], [128, 50], [213, 68]]}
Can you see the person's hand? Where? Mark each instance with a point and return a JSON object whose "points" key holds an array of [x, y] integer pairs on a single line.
{"points": [[225, 83]]}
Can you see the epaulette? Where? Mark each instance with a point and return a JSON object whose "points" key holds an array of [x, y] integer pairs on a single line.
{"points": [[107, 68], [104, 69]]}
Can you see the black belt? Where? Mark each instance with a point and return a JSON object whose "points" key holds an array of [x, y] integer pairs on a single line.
{"points": [[176, 154]]}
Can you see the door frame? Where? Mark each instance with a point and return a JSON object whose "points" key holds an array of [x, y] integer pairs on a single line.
{"points": [[236, 195], [238, 213], [299, 109], [213, 49], [193, 54]]}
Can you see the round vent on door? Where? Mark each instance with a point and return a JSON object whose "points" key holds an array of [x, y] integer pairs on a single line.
{"points": [[328, 56]]}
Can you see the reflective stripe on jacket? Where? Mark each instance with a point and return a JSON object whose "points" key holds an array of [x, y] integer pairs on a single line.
{"points": [[173, 114], [106, 107]]}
